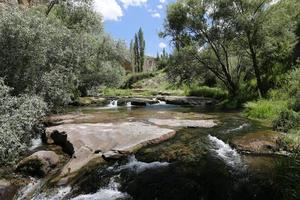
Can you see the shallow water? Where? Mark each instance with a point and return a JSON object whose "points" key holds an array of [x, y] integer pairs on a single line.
{"points": [[198, 163]]}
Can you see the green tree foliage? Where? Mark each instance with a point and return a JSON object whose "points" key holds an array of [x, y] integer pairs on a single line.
{"points": [[162, 60], [137, 51], [68, 47], [19, 117], [237, 41]]}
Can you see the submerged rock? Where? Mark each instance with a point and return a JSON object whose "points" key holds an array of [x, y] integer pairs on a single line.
{"points": [[261, 142], [91, 142], [184, 123], [38, 164]]}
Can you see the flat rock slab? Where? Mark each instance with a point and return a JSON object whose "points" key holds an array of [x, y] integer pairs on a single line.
{"points": [[91, 141], [184, 123], [261, 142]]}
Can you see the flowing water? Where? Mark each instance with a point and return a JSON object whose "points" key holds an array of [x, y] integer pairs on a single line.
{"points": [[198, 163]]}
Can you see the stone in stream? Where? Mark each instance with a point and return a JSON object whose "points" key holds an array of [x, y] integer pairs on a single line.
{"points": [[184, 123], [142, 101], [93, 142], [38, 164], [261, 142]]}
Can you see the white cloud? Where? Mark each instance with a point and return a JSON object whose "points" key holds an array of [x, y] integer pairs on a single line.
{"points": [[160, 6], [109, 9], [162, 1], [127, 3], [162, 45], [155, 15]]}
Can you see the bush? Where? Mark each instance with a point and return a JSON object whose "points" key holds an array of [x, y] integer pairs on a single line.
{"points": [[19, 118], [265, 109], [56, 87], [286, 120], [204, 91]]}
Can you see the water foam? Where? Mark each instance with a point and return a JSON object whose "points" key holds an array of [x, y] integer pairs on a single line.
{"points": [[57, 194], [35, 143], [138, 166], [225, 152], [111, 192], [113, 104], [245, 125]]}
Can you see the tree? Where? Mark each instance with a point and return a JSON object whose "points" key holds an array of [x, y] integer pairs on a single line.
{"points": [[236, 38], [137, 49], [205, 30], [263, 29]]}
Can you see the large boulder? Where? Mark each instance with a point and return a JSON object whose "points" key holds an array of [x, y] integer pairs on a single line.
{"points": [[94, 143], [261, 142], [38, 164]]}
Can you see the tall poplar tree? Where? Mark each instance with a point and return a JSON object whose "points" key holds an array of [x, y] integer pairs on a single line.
{"points": [[137, 47]]}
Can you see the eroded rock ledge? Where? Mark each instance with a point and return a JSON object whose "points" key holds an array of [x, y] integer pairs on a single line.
{"points": [[95, 143]]}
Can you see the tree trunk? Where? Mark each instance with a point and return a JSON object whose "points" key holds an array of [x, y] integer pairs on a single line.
{"points": [[260, 87]]}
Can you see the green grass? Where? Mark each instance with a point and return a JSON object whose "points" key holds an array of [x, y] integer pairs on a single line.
{"points": [[204, 91], [265, 109], [135, 77], [116, 92]]}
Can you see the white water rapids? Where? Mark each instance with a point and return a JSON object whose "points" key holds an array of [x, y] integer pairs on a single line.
{"points": [[110, 192], [225, 152]]}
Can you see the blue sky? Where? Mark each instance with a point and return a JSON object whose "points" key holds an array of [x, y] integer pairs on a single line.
{"points": [[122, 18]]}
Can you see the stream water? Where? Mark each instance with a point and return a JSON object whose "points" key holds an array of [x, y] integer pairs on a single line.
{"points": [[198, 163]]}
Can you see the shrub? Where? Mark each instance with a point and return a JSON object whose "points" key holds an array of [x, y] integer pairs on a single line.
{"points": [[204, 91], [19, 118], [56, 87], [265, 109], [286, 120]]}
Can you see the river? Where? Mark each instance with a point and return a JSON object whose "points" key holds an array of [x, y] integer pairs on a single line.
{"points": [[197, 163]]}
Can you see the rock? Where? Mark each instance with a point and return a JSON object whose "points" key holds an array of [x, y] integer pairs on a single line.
{"points": [[261, 142], [7, 190], [38, 164], [182, 100], [114, 140], [184, 123], [142, 101]]}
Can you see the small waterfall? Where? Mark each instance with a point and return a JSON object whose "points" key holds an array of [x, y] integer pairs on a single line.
{"points": [[35, 143], [225, 152], [138, 166], [111, 192], [113, 104], [161, 102], [128, 104]]}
